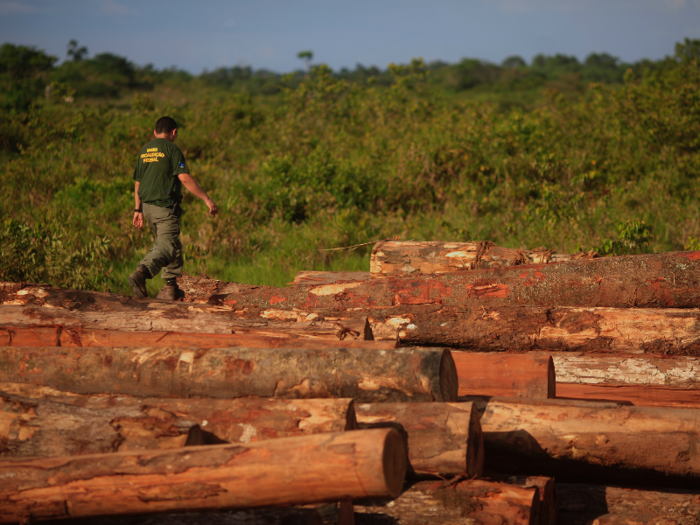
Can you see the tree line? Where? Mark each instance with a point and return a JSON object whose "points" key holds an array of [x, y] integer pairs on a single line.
{"points": [[28, 74]]}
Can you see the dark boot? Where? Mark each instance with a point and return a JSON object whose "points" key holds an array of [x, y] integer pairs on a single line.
{"points": [[170, 292], [137, 281]]}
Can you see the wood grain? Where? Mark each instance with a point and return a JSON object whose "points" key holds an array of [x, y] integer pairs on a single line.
{"points": [[297, 470]]}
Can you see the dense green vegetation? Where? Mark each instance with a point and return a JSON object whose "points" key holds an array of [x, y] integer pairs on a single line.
{"points": [[523, 155]]}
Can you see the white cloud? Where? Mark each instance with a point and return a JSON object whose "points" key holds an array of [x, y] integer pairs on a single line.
{"points": [[17, 8], [112, 7]]}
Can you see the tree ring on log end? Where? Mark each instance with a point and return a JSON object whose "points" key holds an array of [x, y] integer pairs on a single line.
{"points": [[449, 382], [394, 462]]}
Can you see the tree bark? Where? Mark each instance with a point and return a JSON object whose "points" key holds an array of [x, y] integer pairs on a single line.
{"points": [[443, 438], [77, 425], [547, 492], [644, 281], [509, 375], [310, 469], [640, 380], [668, 331], [168, 316], [633, 519], [81, 335], [484, 502], [598, 500], [624, 370], [591, 441], [404, 374], [644, 396], [313, 278], [410, 258], [663, 280], [323, 514]]}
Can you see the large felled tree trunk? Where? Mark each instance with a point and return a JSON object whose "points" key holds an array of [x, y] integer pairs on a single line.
{"points": [[577, 440], [410, 258], [168, 316], [477, 501], [644, 396], [663, 280], [404, 374], [643, 380], [443, 438], [510, 375], [547, 492], [297, 470], [81, 335], [79, 424], [322, 514], [667, 331], [597, 500], [314, 278], [625, 370]]}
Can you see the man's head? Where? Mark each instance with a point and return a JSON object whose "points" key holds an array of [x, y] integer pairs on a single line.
{"points": [[166, 128]]}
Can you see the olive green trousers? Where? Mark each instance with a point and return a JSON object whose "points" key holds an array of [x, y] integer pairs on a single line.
{"points": [[166, 253]]}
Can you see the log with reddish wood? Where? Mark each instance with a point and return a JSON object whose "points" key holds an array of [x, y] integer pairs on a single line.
{"points": [[81, 335], [590, 441], [297, 470], [593, 501], [410, 258], [627, 370], [403, 374], [443, 438], [667, 331], [168, 316], [633, 519], [643, 396], [452, 503], [507, 375], [76, 425], [313, 278], [642, 380], [321, 514], [663, 280], [340, 513], [547, 492]]}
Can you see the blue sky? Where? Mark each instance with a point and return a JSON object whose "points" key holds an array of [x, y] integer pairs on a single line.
{"points": [[270, 33]]}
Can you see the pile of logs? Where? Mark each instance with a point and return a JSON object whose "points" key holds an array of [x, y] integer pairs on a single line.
{"points": [[453, 383]]}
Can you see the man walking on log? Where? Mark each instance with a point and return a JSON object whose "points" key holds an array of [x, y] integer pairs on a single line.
{"points": [[160, 172]]}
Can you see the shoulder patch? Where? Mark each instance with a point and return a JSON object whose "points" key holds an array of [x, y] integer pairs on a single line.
{"points": [[182, 164]]}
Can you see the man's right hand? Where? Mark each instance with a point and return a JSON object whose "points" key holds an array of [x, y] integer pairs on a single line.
{"points": [[213, 208], [138, 219]]}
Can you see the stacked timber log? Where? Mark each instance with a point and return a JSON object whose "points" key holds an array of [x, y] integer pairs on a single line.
{"points": [[569, 366]]}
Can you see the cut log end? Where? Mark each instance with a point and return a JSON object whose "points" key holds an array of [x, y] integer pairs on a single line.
{"points": [[449, 383], [394, 462]]}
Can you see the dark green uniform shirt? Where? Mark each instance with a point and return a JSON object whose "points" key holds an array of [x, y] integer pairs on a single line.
{"points": [[159, 163]]}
